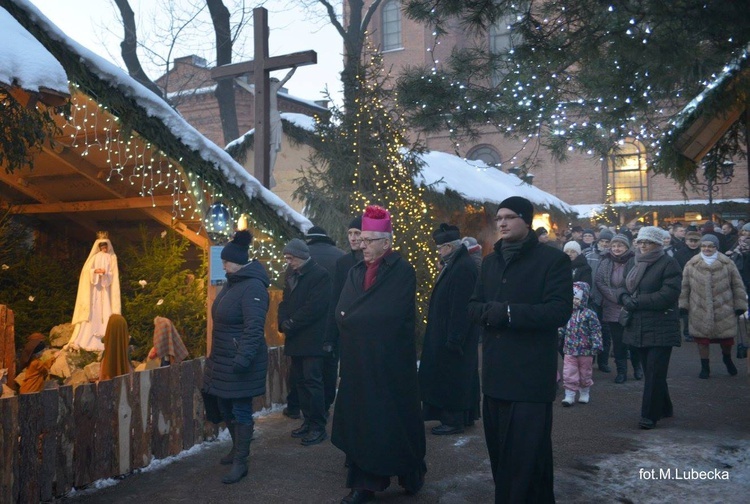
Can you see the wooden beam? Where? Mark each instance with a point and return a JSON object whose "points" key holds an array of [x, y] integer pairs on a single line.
{"points": [[704, 132], [298, 59], [97, 205], [166, 219]]}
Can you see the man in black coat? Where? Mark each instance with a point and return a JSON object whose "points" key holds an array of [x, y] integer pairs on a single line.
{"points": [[302, 318], [324, 252], [448, 369], [377, 421], [523, 294]]}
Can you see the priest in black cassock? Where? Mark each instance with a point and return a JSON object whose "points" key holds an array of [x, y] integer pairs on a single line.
{"points": [[377, 421]]}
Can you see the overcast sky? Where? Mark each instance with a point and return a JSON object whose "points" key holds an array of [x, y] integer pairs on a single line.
{"points": [[95, 24]]}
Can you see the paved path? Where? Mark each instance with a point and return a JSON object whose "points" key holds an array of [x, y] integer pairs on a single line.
{"points": [[600, 454]]}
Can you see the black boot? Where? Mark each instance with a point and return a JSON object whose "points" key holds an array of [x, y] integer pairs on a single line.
{"points": [[622, 370], [229, 457], [731, 369], [244, 434], [705, 369]]}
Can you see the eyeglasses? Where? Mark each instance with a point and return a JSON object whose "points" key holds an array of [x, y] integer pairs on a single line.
{"points": [[368, 241], [506, 218]]}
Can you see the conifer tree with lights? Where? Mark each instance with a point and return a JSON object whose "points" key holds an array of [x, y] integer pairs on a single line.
{"points": [[584, 74], [362, 157]]}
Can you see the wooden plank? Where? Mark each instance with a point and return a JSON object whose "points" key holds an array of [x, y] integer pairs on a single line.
{"points": [[187, 384], [124, 414], [64, 476], [30, 417], [104, 431], [175, 411], [7, 342], [49, 444], [139, 400], [84, 413], [97, 205], [9, 449], [160, 412], [208, 429]]}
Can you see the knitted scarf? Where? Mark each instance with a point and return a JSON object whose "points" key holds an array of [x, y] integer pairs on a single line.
{"points": [[642, 262]]}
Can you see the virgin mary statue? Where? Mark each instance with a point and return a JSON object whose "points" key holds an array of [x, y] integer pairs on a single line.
{"points": [[98, 296]]}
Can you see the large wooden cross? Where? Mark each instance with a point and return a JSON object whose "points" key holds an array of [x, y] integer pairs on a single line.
{"points": [[260, 67]]}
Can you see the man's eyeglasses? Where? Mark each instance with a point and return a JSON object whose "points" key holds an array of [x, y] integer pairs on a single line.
{"points": [[368, 241]]}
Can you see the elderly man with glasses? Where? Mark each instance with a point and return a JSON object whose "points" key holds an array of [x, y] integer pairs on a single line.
{"points": [[377, 420]]}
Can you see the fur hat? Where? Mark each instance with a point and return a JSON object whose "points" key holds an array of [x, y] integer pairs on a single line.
{"points": [[446, 233], [377, 218], [572, 245], [652, 234], [236, 251], [710, 238], [520, 206], [606, 234], [620, 238], [356, 223], [297, 248]]}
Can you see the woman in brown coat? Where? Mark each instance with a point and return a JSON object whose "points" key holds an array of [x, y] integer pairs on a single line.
{"points": [[713, 296]]}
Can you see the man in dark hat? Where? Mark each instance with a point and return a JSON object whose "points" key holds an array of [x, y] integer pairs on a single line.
{"points": [[448, 370], [523, 294], [302, 317], [377, 421]]}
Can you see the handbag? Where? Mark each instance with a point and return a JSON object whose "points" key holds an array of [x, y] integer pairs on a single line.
{"points": [[625, 317], [741, 337], [211, 404]]}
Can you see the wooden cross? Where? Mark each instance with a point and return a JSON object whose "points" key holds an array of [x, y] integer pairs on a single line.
{"points": [[260, 67]]}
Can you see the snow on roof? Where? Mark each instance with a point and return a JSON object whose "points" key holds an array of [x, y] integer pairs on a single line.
{"points": [[304, 121], [587, 210], [476, 181], [158, 108], [24, 62]]}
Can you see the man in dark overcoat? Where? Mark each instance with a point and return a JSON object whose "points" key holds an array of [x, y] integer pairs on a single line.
{"points": [[324, 252], [448, 369], [377, 421], [302, 319], [523, 294]]}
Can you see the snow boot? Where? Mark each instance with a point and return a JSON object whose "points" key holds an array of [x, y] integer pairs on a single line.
{"points": [[731, 368], [622, 370], [570, 398], [244, 434], [229, 457], [705, 369], [584, 395]]}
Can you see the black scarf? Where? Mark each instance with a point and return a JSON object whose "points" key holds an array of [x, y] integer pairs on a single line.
{"points": [[510, 250]]}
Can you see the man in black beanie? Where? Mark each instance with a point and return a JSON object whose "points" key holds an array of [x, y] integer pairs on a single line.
{"points": [[523, 294]]}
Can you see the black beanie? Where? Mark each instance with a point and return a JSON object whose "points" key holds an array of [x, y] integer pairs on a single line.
{"points": [[521, 206], [236, 251], [356, 223], [446, 233], [297, 248], [316, 232]]}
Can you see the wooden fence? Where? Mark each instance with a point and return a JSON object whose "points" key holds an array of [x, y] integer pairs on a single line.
{"points": [[63, 438]]}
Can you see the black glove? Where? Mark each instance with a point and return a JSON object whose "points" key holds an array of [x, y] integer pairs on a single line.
{"points": [[328, 348], [739, 312], [629, 302], [495, 314], [287, 325], [454, 347]]}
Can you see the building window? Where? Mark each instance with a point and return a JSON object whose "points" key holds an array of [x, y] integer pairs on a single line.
{"points": [[485, 153], [627, 173], [391, 25], [502, 40]]}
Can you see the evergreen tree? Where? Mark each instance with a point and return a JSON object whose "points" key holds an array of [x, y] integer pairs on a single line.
{"points": [[582, 74], [363, 157]]}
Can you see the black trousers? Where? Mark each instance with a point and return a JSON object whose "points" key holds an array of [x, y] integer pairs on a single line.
{"points": [[330, 378], [656, 403], [310, 389], [519, 442], [359, 479], [292, 398]]}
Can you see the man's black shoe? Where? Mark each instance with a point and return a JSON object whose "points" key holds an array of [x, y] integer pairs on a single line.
{"points": [[314, 436], [358, 496], [301, 431], [291, 414], [444, 430]]}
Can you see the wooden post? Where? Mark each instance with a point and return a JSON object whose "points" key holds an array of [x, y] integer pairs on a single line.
{"points": [[7, 342]]}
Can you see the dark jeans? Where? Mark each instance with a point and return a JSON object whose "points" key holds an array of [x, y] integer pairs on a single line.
{"points": [[603, 358], [656, 403], [330, 378], [292, 398], [239, 410], [310, 389], [519, 442]]}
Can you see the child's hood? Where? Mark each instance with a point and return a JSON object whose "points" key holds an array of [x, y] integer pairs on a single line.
{"points": [[581, 291]]}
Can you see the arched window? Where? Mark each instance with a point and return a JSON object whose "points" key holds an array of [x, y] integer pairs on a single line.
{"points": [[391, 14], [485, 153], [626, 172]]}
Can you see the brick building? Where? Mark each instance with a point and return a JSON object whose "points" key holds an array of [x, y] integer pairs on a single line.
{"points": [[579, 180], [190, 89]]}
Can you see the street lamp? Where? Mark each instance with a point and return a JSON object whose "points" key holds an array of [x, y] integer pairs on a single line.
{"points": [[716, 173]]}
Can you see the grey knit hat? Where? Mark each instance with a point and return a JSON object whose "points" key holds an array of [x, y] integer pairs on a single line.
{"points": [[652, 234], [710, 238], [606, 234], [620, 238], [297, 248]]}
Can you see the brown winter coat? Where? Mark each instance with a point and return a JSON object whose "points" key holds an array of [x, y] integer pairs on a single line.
{"points": [[712, 294]]}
